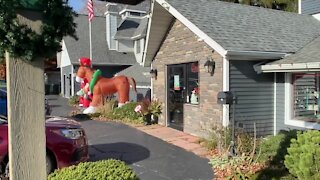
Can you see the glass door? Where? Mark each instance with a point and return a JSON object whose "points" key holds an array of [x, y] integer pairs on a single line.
{"points": [[176, 95]]}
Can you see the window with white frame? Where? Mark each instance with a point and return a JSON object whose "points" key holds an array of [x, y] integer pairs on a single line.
{"points": [[305, 93]]}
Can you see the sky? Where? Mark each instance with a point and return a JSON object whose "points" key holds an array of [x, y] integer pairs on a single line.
{"points": [[77, 4]]}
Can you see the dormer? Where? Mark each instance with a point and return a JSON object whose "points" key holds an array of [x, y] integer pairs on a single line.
{"points": [[131, 13]]}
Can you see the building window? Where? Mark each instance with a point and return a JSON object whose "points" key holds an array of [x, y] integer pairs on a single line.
{"points": [[184, 83], [306, 88]]}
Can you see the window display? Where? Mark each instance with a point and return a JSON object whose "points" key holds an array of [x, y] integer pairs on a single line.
{"points": [[306, 87]]}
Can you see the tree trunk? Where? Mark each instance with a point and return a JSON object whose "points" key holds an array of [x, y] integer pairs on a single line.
{"points": [[26, 117]]}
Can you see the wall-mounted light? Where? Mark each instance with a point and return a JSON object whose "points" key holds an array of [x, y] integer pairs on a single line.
{"points": [[154, 73], [210, 65]]}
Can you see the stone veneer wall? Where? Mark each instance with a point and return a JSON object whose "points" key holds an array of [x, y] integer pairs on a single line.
{"points": [[183, 46]]}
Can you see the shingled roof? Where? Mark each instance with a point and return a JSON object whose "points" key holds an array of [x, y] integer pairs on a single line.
{"points": [[101, 54], [238, 27], [308, 54]]}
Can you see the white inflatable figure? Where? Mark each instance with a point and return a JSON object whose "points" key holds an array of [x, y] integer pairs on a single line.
{"points": [[194, 98]]}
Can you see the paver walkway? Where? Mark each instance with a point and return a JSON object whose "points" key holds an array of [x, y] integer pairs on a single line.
{"points": [[175, 137]]}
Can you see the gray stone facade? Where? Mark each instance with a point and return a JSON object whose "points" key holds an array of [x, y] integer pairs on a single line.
{"points": [[182, 46]]}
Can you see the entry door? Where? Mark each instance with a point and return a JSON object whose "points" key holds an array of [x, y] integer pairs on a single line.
{"points": [[176, 95]]}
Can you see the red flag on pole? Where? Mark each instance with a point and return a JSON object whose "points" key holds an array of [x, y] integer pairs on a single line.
{"points": [[90, 10]]}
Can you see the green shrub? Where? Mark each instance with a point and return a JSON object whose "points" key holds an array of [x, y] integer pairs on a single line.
{"points": [[108, 106], [74, 100], [303, 159], [101, 170], [274, 148], [125, 113]]}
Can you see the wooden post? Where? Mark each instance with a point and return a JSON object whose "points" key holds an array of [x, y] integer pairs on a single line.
{"points": [[26, 113], [27, 141]]}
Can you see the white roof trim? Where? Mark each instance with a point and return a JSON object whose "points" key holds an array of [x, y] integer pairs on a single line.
{"points": [[295, 67], [217, 47], [131, 10], [144, 54]]}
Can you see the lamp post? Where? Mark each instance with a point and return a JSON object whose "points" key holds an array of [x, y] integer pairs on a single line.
{"points": [[26, 117]]}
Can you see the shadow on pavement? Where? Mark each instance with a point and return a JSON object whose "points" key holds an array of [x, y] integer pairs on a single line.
{"points": [[81, 117], [127, 152], [53, 106]]}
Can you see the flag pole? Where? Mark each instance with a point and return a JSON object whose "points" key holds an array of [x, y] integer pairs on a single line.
{"points": [[90, 39], [90, 17]]}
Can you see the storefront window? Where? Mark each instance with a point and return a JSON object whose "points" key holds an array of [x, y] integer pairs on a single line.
{"points": [[306, 88]]}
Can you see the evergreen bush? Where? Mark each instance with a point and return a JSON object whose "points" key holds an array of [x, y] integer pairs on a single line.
{"points": [[303, 159], [101, 170], [274, 148]]}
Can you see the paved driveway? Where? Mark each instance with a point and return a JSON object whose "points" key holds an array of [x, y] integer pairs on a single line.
{"points": [[150, 157]]}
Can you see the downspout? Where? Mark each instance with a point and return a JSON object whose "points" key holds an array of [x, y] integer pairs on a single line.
{"points": [[225, 107]]}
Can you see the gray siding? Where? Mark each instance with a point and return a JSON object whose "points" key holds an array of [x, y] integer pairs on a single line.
{"points": [[280, 102], [111, 29], [310, 7], [255, 99]]}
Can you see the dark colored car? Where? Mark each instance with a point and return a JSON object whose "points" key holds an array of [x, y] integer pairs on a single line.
{"points": [[66, 143], [3, 101]]}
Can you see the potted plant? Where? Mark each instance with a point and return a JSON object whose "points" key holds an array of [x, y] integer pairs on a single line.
{"points": [[143, 109], [155, 109]]}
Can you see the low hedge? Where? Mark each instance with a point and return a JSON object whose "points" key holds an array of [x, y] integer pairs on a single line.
{"points": [[125, 113], [101, 170]]}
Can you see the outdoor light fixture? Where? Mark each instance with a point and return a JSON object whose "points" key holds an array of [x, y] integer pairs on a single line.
{"points": [[154, 73], [210, 65]]}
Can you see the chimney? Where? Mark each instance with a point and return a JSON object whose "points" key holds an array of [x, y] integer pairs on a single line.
{"points": [[111, 24]]}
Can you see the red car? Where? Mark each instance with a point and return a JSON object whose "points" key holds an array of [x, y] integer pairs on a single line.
{"points": [[66, 144]]}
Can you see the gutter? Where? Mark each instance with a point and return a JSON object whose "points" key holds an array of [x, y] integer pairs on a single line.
{"points": [[293, 67]]}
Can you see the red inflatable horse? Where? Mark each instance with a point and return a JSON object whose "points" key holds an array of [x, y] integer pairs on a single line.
{"points": [[105, 86]]}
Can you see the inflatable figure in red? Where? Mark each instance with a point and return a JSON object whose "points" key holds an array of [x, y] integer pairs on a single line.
{"points": [[101, 86], [85, 98]]}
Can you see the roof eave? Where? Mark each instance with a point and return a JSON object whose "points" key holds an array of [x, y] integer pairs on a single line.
{"points": [[254, 55], [293, 67], [202, 36]]}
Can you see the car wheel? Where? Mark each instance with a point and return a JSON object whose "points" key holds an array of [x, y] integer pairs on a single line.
{"points": [[49, 166], [6, 170]]}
